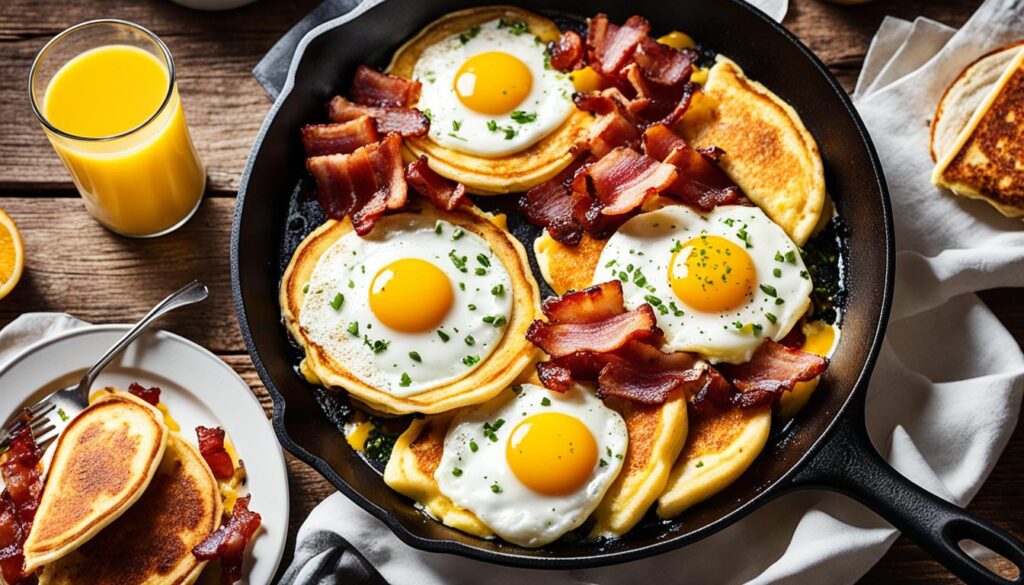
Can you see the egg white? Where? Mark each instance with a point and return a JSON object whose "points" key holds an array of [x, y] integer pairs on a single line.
{"points": [[348, 268], [640, 252], [455, 126], [517, 513]]}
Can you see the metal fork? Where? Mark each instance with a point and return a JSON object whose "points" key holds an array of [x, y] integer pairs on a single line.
{"points": [[48, 417]]}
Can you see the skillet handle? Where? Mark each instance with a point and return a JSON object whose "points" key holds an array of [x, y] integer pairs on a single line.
{"points": [[848, 463]]}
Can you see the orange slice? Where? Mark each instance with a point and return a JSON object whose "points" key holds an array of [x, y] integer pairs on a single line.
{"points": [[12, 254]]}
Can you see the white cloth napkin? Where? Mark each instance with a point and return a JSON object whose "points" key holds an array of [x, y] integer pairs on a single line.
{"points": [[943, 401], [776, 9], [29, 328]]}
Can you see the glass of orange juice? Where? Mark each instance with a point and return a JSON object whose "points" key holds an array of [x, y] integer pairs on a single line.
{"points": [[105, 93]]}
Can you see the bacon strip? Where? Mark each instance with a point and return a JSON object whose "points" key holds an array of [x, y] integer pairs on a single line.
{"points": [[19, 501], [699, 181], [363, 184], [228, 542], [590, 305], [150, 395], [774, 369], [443, 193], [624, 179], [609, 47], [561, 374], [405, 121], [211, 446], [549, 205], [373, 88], [567, 53], [664, 65], [341, 138], [562, 339]]}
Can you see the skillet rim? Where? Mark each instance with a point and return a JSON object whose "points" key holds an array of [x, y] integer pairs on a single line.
{"points": [[600, 558]]}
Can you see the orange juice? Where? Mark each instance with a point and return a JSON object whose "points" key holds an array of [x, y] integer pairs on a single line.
{"points": [[121, 133]]}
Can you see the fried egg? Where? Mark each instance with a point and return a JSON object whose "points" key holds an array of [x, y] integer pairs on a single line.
{"points": [[721, 282], [490, 90], [533, 464], [411, 308]]}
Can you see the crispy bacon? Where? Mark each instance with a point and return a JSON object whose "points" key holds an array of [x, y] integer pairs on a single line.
{"points": [[609, 46], [609, 100], [587, 209], [211, 446], [373, 88], [699, 181], [561, 339], [611, 131], [715, 392], [228, 542], [567, 53], [363, 184], [590, 305], [664, 65], [623, 179], [549, 205], [561, 374], [624, 379], [443, 193], [405, 121], [19, 501], [150, 395], [341, 138], [774, 369]]}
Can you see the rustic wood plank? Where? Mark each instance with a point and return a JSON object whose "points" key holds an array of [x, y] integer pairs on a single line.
{"points": [[74, 265]]}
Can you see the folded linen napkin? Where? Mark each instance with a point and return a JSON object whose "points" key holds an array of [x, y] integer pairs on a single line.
{"points": [[941, 412]]}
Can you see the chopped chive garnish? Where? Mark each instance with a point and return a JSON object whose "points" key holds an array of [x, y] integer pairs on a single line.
{"points": [[353, 328], [457, 233], [406, 380], [339, 299], [470, 340], [471, 360], [771, 318], [444, 336], [456, 472], [415, 356], [545, 401], [473, 446], [498, 290], [769, 290]]}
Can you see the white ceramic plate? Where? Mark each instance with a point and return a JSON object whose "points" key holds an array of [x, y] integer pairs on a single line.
{"points": [[198, 388]]}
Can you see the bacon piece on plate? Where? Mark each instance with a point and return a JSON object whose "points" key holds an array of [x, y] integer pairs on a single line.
{"points": [[611, 131], [19, 501], [211, 446], [592, 304], [567, 53], [562, 339], [549, 205], [715, 392], [405, 121], [444, 193], [561, 374], [341, 138], [228, 542], [373, 88], [774, 369], [699, 181], [623, 179], [609, 100], [610, 47], [150, 395], [363, 184], [625, 379]]}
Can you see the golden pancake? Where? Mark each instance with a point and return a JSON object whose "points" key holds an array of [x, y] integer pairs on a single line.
{"points": [[510, 357], [719, 447], [102, 464], [512, 173], [965, 94], [656, 436], [987, 160], [768, 151], [152, 542], [410, 472], [567, 268]]}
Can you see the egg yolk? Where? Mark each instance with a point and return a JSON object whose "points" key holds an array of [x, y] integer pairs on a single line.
{"points": [[586, 79], [411, 295], [716, 275], [678, 40], [493, 83], [552, 453], [820, 337]]}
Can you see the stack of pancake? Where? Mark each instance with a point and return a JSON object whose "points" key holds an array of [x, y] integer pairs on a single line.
{"points": [[978, 132], [125, 500]]}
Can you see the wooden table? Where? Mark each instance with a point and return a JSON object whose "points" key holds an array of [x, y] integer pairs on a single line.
{"points": [[74, 265]]}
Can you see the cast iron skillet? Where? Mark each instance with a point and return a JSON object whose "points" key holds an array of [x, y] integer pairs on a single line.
{"points": [[827, 446]]}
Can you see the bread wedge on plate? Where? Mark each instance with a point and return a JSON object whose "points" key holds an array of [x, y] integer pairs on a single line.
{"points": [[103, 462]]}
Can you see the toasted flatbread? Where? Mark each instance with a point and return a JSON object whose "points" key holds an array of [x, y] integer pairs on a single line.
{"points": [[965, 94], [769, 152], [151, 543], [103, 462], [987, 160]]}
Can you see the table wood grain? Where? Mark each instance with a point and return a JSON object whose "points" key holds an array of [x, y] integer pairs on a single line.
{"points": [[76, 266]]}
